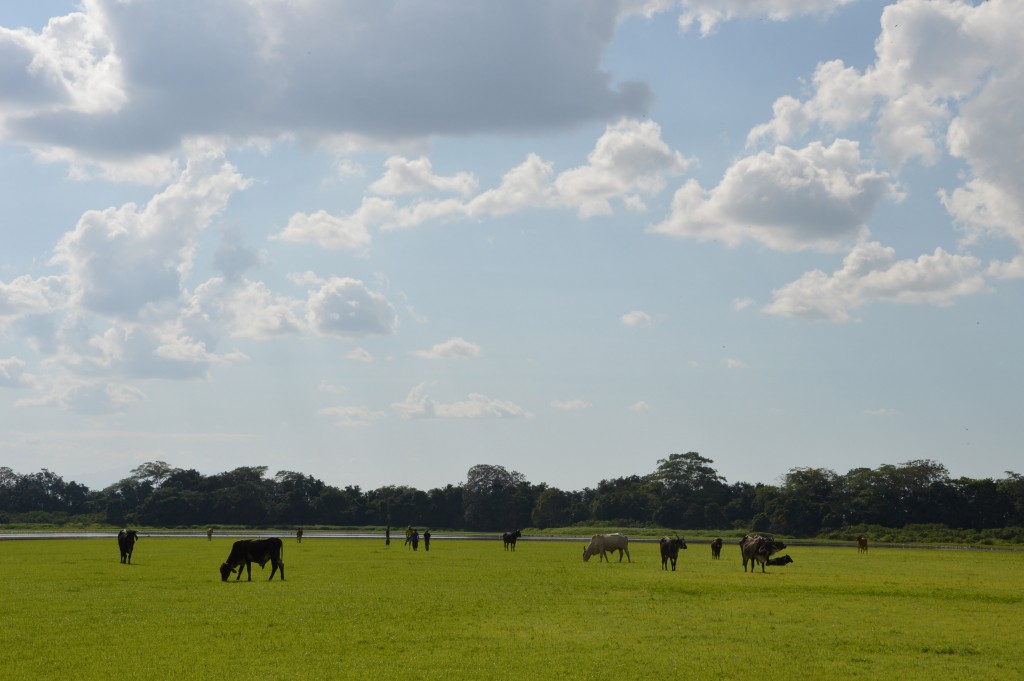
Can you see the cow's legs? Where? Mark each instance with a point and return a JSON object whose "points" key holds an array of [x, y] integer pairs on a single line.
{"points": [[630, 560], [274, 566]]}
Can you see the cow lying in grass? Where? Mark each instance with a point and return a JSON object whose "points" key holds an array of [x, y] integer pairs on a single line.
{"points": [[245, 552], [780, 561]]}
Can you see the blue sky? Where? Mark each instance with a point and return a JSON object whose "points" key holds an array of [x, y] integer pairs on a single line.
{"points": [[380, 243]]}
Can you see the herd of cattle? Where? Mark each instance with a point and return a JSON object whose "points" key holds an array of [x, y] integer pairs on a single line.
{"points": [[244, 553], [754, 548]]}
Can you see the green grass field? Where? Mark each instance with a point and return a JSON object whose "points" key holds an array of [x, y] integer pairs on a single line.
{"points": [[352, 608]]}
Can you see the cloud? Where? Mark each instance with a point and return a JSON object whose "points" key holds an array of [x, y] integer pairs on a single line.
{"points": [[629, 162], [26, 296], [871, 272], [339, 233], [121, 260], [345, 307], [266, 70], [328, 387], [819, 197], [732, 363], [406, 176], [570, 405], [72, 65], [252, 310], [333, 306], [13, 374], [452, 348], [92, 398], [638, 407], [359, 355], [946, 78], [418, 405], [636, 318], [881, 412], [352, 417], [710, 13], [739, 304]]}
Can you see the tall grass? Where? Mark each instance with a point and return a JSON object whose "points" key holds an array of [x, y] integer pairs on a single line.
{"points": [[353, 608]]}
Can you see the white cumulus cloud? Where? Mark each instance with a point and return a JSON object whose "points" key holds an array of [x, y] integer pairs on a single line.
{"points": [[453, 348], [819, 197], [871, 272]]}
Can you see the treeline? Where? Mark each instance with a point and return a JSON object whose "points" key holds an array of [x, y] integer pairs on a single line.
{"points": [[684, 492]]}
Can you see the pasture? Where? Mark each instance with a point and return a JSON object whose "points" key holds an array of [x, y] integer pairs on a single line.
{"points": [[353, 608]]}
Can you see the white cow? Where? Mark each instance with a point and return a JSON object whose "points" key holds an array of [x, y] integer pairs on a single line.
{"points": [[602, 543]]}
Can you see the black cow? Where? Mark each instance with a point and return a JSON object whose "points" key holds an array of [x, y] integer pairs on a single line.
{"points": [[510, 539], [780, 561], [126, 542], [716, 548], [245, 552], [670, 551]]}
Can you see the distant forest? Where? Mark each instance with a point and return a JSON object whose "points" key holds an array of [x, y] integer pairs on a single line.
{"points": [[684, 492]]}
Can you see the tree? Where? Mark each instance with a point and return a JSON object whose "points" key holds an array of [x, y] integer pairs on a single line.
{"points": [[445, 507], [806, 498], [684, 485], [153, 471], [551, 509], [489, 497], [295, 495], [624, 500]]}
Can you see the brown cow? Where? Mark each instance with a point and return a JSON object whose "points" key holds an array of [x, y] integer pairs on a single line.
{"points": [[862, 544], [716, 548], [758, 549]]}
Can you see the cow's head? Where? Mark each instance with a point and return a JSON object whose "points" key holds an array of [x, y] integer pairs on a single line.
{"points": [[225, 570], [586, 553]]}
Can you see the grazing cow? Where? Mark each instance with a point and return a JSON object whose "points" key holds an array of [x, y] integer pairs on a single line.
{"points": [[600, 544], [862, 544], [126, 542], [758, 549], [245, 552], [670, 551], [510, 539], [780, 561], [716, 548]]}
